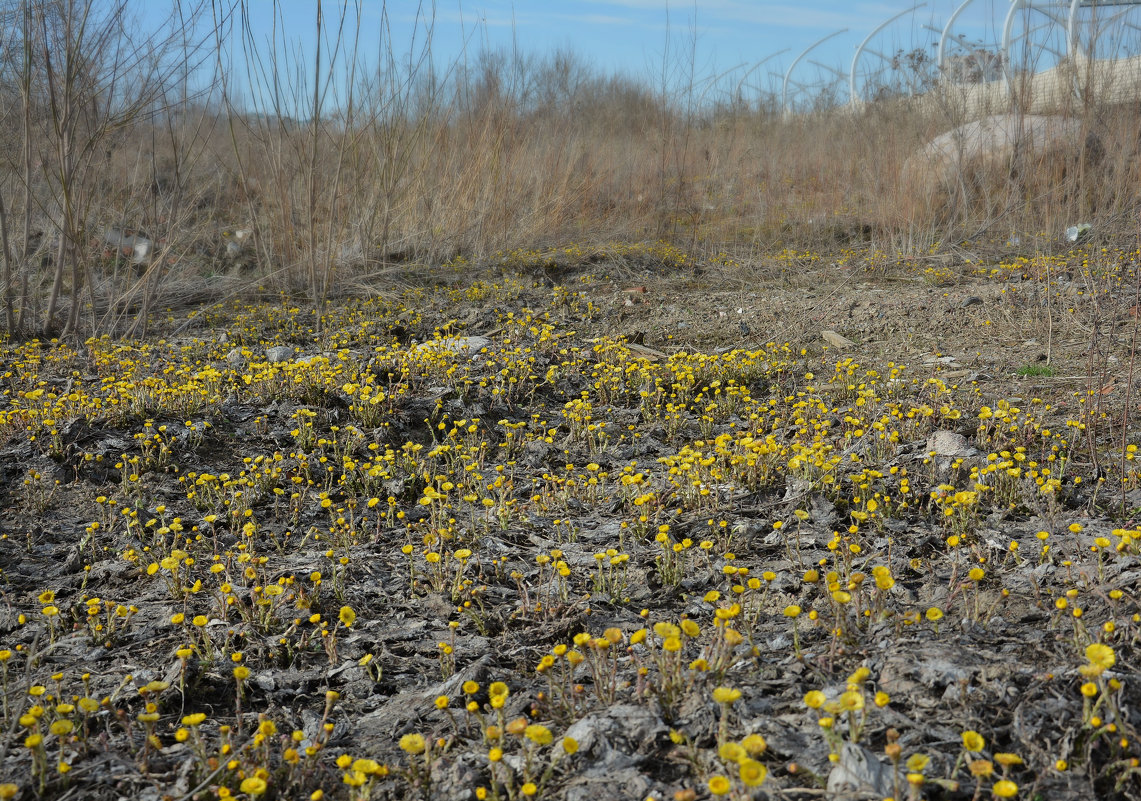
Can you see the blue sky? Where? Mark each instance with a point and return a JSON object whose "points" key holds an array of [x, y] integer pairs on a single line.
{"points": [[632, 34], [635, 36], [638, 37], [760, 38]]}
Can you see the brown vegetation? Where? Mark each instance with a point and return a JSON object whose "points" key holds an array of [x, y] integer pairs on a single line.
{"points": [[338, 168]]}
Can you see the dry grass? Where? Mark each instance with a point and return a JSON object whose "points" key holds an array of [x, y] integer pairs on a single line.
{"points": [[513, 153], [499, 181]]}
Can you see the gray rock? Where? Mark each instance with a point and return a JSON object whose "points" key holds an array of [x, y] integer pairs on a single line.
{"points": [[612, 740], [460, 345], [278, 354], [857, 774], [455, 781], [235, 358], [404, 707], [950, 443], [617, 785]]}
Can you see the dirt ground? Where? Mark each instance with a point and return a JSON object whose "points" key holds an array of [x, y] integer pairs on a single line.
{"points": [[617, 521]]}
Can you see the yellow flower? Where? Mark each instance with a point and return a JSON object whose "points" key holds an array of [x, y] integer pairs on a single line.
{"points": [[517, 726], [973, 741], [347, 616], [1005, 789], [980, 767], [752, 773], [470, 687], [498, 689], [731, 752], [253, 786], [412, 743], [1100, 656], [814, 699], [934, 614], [570, 745], [851, 701], [529, 789], [917, 763], [540, 735], [726, 695], [61, 727], [719, 785], [754, 744]]}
